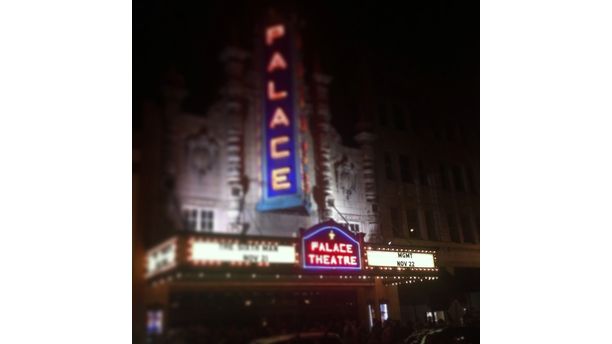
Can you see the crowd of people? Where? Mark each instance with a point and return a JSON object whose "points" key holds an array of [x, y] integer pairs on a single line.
{"points": [[350, 332]]}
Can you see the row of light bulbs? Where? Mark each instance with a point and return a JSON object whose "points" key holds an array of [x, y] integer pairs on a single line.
{"points": [[228, 275], [399, 250], [400, 268], [414, 281], [232, 241]]}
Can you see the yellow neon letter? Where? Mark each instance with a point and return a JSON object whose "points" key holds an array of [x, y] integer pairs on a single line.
{"points": [[279, 118], [274, 153], [274, 32], [279, 178], [272, 94], [277, 62]]}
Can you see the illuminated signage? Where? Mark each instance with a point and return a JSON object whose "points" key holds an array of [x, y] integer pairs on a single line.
{"points": [[161, 258], [155, 322], [242, 253], [400, 259], [280, 161], [328, 246]]}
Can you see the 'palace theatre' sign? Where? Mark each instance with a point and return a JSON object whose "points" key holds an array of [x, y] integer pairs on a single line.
{"points": [[329, 246], [281, 174]]}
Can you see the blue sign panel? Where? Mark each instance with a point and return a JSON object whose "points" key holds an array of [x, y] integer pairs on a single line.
{"points": [[281, 169]]}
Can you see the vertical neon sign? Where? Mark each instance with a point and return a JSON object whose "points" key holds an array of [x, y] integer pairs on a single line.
{"points": [[280, 167]]}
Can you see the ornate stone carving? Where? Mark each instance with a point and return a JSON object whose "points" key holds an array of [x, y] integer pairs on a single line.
{"points": [[346, 177], [202, 152]]}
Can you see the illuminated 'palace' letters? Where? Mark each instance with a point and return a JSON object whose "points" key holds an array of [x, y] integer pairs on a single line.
{"points": [[273, 94], [281, 170], [279, 175], [274, 32], [279, 178], [274, 143], [279, 118], [277, 62]]}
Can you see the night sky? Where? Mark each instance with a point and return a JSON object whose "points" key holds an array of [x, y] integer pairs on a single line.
{"points": [[432, 47]]}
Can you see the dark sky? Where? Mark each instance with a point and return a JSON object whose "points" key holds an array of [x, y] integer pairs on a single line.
{"points": [[433, 46]]}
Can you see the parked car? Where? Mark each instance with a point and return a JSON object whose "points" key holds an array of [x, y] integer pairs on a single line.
{"points": [[301, 338], [446, 335]]}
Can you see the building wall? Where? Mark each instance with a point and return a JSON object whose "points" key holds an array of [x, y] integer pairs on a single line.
{"points": [[427, 171], [138, 256], [213, 161]]}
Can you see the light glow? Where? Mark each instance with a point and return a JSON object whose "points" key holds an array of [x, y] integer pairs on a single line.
{"points": [[329, 247], [384, 312], [155, 322], [274, 152], [277, 62], [161, 258], [273, 94], [279, 178], [281, 175], [279, 118], [400, 259], [274, 32], [269, 253]]}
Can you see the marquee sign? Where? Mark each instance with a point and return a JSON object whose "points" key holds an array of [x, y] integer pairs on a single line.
{"points": [[260, 253], [400, 259], [329, 246], [161, 258], [280, 160]]}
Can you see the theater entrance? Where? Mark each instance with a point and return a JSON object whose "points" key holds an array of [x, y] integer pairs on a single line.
{"points": [[290, 309]]}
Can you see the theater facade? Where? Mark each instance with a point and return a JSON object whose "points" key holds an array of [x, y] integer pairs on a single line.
{"points": [[327, 273], [256, 208]]}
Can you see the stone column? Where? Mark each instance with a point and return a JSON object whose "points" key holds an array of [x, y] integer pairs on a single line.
{"points": [[366, 142], [235, 102], [174, 93], [323, 145]]}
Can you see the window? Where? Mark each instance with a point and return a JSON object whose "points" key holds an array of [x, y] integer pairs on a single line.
{"points": [[395, 222], [190, 219], [405, 172], [371, 315], [384, 312], [389, 167], [459, 185], [431, 230], [444, 177], [468, 234], [422, 175], [206, 221], [452, 227], [155, 320], [354, 227], [198, 220], [398, 117], [412, 219]]}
